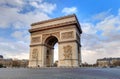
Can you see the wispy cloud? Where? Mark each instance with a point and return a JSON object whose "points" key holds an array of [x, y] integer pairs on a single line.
{"points": [[18, 14], [45, 7], [16, 17], [13, 3], [102, 15], [101, 39], [14, 49], [69, 10]]}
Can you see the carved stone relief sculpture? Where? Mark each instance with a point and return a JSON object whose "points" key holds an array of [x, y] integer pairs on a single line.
{"points": [[67, 35], [35, 53], [36, 39], [65, 31], [67, 52]]}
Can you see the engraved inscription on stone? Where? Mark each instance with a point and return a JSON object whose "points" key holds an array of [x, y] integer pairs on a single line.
{"points": [[67, 35], [67, 52], [36, 39], [35, 53]]}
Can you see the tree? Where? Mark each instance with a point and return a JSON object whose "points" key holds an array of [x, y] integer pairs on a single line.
{"points": [[1, 65], [16, 63]]}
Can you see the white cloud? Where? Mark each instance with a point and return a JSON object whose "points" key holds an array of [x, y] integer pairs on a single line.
{"points": [[88, 28], [45, 7], [93, 45], [102, 15], [34, 1], [23, 19], [109, 25], [105, 44], [16, 56], [18, 34], [14, 49], [69, 10], [13, 15], [119, 12], [21, 35], [13, 3], [90, 56]]}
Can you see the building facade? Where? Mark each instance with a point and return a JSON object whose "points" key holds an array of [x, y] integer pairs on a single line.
{"points": [[13, 63], [107, 62]]}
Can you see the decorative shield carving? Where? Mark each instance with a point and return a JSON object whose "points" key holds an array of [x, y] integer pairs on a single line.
{"points": [[67, 52], [35, 53]]}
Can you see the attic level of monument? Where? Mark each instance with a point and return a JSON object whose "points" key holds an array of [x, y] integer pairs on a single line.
{"points": [[65, 31], [55, 23]]}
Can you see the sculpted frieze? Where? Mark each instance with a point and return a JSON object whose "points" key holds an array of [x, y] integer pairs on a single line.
{"points": [[35, 53], [67, 52], [67, 35], [36, 39]]}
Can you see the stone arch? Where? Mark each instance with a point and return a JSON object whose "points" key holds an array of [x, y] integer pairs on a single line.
{"points": [[50, 42], [55, 34], [64, 30]]}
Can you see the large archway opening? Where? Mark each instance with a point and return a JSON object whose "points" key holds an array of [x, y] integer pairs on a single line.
{"points": [[56, 54], [51, 51]]}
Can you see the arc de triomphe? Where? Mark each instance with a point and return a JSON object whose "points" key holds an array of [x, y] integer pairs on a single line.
{"points": [[66, 32]]}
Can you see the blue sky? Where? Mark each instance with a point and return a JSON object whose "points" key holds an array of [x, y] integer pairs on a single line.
{"points": [[99, 19]]}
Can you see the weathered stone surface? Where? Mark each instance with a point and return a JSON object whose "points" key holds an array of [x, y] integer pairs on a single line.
{"points": [[67, 35], [66, 31], [36, 39]]}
